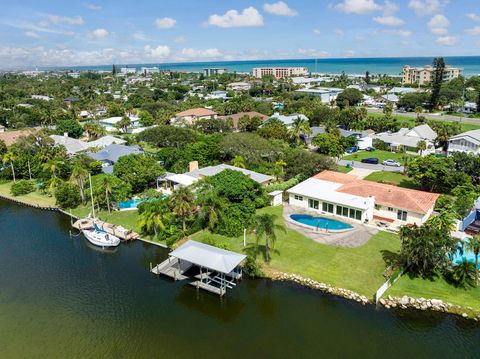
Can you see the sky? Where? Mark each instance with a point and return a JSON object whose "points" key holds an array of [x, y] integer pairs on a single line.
{"points": [[72, 33]]}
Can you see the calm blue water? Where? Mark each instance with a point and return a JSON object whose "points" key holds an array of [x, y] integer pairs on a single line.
{"points": [[320, 222], [384, 65], [131, 203], [462, 255]]}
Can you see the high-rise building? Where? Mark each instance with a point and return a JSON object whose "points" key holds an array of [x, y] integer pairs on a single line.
{"points": [[424, 75], [279, 72]]}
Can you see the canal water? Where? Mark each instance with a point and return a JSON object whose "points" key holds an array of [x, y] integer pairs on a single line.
{"points": [[62, 298]]}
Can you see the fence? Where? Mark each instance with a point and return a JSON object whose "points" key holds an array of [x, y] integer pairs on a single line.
{"points": [[387, 285]]}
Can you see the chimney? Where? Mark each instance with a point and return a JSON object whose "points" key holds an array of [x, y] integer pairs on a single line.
{"points": [[192, 166]]}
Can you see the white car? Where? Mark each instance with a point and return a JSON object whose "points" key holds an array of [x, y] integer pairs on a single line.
{"points": [[391, 163]]}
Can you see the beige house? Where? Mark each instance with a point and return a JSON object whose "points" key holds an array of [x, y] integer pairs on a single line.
{"points": [[424, 75], [189, 117], [279, 72]]}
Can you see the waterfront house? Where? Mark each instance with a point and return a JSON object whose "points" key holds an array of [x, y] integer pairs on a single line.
{"points": [[468, 142], [345, 195], [189, 117], [110, 155], [409, 138]]}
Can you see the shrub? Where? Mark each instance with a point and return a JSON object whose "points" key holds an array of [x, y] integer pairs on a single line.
{"points": [[22, 187], [380, 145], [67, 195], [251, 268]]}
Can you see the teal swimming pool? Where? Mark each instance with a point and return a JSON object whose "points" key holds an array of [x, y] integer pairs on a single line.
{"points": [[320, 222]]}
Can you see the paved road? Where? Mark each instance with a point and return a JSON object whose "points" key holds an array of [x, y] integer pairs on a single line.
{"points": [[473, 121], [368, 166]]}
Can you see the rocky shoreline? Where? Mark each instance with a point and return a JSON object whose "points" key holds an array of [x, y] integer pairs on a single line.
{"points": [[389, 302]]}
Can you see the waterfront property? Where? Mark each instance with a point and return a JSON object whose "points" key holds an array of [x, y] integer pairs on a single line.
{"points": [[467, 142], [424, 75], [344, 195]]}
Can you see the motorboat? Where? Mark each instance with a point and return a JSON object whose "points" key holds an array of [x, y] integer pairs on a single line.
{"points": [[101, 238]]}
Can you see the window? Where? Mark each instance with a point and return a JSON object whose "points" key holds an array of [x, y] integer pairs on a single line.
{"points": [[339, 210], [327, 207], [298, 198], [313, 203], [390, 209], [378, 207], [402, 215], [358, 215]]}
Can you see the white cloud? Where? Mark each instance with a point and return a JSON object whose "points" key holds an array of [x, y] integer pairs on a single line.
{"points": [[438, 25], [339, 32], [313, 53], [388, 20], [200, 54], [473, 31], [98, 34], [140, 36], [91, 6], [473, 16], [358, 6], [427, 7], [180, 40], [249, 17], [390, 8], [31, 34], [317, 32], [399, 32], [165, 23], [279, 8], [447, 40], [67, 20], [158, 52]]}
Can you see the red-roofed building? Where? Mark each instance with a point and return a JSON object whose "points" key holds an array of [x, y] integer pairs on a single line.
{"points": [[189, 117], [345, 195]]}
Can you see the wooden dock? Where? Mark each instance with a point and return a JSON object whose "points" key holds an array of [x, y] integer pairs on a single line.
{"points": [[208, 287], [172, 268], [117, 231]]}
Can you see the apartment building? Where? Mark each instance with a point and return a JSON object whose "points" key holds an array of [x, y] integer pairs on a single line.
{"points": [[279, 72], [424, 75]]}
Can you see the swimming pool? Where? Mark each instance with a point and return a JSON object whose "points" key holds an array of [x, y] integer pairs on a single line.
{"points": [[131, 203], [320, 222], [463, 254]]}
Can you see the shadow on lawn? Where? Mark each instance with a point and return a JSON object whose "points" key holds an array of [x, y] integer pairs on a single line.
{"points": [[254, 250]]}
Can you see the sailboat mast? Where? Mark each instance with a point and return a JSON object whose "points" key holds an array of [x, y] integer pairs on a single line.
{"points": [[91, 194]]}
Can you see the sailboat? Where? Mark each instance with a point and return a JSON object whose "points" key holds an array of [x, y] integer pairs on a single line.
{"points": [[98, 236]]}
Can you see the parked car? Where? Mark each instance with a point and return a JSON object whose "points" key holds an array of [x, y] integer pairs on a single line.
{"points": [[371, 160], [370, 149], [353, 149], [391, 163]]}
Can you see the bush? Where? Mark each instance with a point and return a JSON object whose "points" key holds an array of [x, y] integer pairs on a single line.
{"points": [[67, 195], [380, 145], [251, 268], [22, 187]]}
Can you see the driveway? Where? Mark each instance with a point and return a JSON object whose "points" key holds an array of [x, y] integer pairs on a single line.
{"points": [[368, 166]]}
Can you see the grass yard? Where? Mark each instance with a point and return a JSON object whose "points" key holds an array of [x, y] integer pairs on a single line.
{"points": [[394, 178], [438, 289], [470, 126], [407, 120], [343, 169], [127, 219], [381, 155], [35, 198], [359, 269]]}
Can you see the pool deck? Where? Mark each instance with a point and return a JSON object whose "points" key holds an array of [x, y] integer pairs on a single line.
{"points": [[355, 237]]}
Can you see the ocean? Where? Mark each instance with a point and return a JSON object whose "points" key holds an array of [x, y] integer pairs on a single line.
{"points": [[381, 65]]}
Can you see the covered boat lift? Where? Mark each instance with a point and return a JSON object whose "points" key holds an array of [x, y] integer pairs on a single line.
{"points": [[219, 268]]}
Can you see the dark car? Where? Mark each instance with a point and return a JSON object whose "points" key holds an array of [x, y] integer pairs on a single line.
{"points": [[371, 160], [370, 149], [353, 149]]}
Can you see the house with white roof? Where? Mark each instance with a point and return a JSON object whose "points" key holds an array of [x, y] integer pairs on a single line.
{"points": [[288, 119], [109, 123], [75, 146], [467, 142], [239, 86], [343, 195], [409, 138], [326, 94], [217, 95]]}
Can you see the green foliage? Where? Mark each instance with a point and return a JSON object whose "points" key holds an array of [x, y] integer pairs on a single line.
{"points": [[380, 145], [463, 274], [145, 118], [67, 195], [282, 186], [430, 171], [138, 170], [411, 101], [305, 164], [251, 268], [119, 189], [250, 146], [212, 125], [273, 129], [168, 136], [329, 144], [350, 97], [22, 187], [249, 124], [72, 127], [265, 227], [439, 69]]}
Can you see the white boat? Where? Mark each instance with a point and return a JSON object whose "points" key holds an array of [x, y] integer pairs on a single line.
{"points": [[100, 238]]}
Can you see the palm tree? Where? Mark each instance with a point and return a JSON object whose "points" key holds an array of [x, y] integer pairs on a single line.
{"points": [[152, 218], [464, 274], [299, 126], [52, 166], [9, 157], [473, 245], [107, 184], [238, 161], [281, 165], [210, 205], [79, 174], [182, 204], [265, 226], [421, 146]]}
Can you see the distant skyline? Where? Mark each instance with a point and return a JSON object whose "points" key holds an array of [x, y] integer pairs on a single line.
{"points": [[78, 33]]}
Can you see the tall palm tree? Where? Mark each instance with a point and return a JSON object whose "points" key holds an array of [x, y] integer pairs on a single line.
{"points": [[107, 185], [9, 157], [421, 146], [183, 205], [52, 166], [464, 274], [473, 245], [299, 126], [281, 165], [265, 226], [238, 161], [152, 219], [79, 174], [210, 205]]}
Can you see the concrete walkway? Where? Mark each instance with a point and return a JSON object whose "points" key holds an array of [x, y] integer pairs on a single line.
{"points": [[356, 237], [360, 173]]}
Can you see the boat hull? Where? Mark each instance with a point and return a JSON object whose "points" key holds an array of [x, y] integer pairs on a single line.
{"points": [[101, 239]]}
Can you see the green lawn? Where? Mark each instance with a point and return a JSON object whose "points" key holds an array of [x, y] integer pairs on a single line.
{"points": [[359, 269], [381, 155], [343, 169], [127, 219], [407, 120], [438, 289], [35, 198], [394, 178], [470, 126]]}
